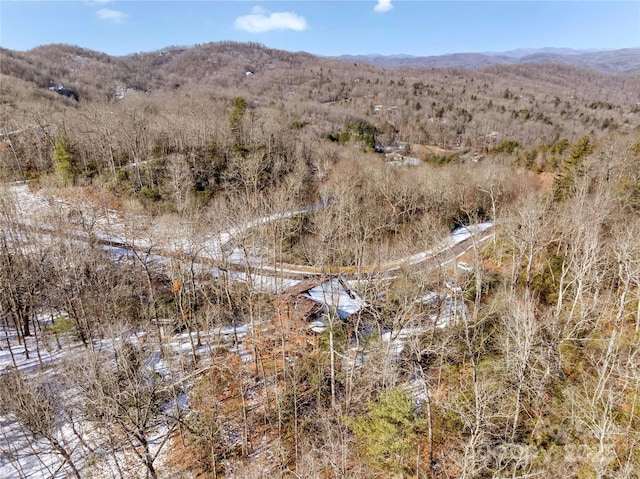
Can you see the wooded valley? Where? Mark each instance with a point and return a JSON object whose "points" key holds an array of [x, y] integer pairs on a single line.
{"points": [[232, 261]]}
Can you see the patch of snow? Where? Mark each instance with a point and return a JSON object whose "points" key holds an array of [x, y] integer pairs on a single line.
{"points": [[465, 267], [447, 309], [453, 287], [317, 326]]}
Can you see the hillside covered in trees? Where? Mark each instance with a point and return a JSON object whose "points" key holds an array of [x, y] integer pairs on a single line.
{"points": [[232, 261]]}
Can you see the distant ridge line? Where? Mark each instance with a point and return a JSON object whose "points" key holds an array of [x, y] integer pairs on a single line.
{"points": [[625, 60]]}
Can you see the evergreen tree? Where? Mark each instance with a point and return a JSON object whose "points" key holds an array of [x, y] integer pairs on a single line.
{"points": [[237, 115], [387, 433], [64, 157], [564, 184]]}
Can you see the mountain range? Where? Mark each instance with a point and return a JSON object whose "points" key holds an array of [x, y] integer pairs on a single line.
{"points": [[262, 73], [625, 60]]}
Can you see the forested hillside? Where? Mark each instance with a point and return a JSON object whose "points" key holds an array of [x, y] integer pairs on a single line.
{"points": [[231, 261]]}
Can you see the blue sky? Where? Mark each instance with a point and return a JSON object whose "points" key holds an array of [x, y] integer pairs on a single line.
{"points": [[323, 27]]}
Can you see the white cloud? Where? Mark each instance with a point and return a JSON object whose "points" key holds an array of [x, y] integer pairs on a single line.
{"points": [[110, 15], [383, 6], [260, 20], [258, 10], [102, 2]]}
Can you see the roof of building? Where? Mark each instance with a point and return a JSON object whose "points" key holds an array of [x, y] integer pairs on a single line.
{"points": [[336, 294], [332, 294]]}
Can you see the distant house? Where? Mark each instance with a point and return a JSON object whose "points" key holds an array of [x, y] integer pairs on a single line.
{"points": [[396, 159], [64, 91]]}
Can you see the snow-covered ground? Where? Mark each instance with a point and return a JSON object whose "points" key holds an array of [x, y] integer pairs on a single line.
{"points": [[22, 457], [117, 232]]}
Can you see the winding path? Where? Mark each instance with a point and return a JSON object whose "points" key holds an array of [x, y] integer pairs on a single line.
{"points": [[218, 254]]}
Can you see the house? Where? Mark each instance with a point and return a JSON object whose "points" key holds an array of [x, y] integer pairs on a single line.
{"points": [[396, 159], [304, 306], [64, 91], [293, 309]]}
